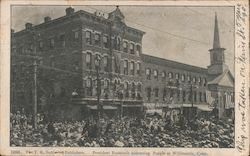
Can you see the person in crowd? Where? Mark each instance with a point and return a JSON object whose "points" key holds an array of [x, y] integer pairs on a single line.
{"points": [[122, 132]]}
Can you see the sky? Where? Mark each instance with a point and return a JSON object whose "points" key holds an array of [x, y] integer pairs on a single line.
{"points": [[182, 34]]}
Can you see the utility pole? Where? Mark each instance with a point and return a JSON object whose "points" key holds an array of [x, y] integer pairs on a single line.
{"points": [[191, 90], [35, 94]]}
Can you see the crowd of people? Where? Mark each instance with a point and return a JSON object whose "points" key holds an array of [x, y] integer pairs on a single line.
{"points": [[151, 131]]}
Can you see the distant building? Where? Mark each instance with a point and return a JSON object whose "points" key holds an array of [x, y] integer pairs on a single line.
{"points": [[66, 49]]}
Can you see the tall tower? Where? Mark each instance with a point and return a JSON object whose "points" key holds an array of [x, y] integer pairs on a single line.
{"points": [[217, 57]]}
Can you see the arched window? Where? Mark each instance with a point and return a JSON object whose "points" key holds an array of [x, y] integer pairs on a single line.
{"points": [[138, 50], [88, 37], [105, 42], [132, 48], [182, 77], [194, 79], [97, 39], [148, 73], [138, 68], [89, 60], [177, 76], [105, 63], [125, 46], [156, 74], [106, 83], [132, 68], [125, 66], [163, 74], [170, 75]]}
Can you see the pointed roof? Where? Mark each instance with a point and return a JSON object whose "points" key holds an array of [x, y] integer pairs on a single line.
{"points": [[116, 12], [224, 79], [216, 34]]}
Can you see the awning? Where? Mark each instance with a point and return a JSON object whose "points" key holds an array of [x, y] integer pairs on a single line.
{"points": [[109, 107], [92, 107], [206, 108], [104, 107], [132, 105], [152, 111]]}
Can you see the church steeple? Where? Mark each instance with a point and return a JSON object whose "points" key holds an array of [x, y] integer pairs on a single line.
{"points": [[216, 34], [217, 56]]}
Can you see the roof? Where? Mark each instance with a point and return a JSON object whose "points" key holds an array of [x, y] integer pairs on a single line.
{"points": [[173, 64], [218, 80], [76, 13]]}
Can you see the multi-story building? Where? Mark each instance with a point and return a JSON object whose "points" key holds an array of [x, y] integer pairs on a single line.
{"points": [[85, 60]]}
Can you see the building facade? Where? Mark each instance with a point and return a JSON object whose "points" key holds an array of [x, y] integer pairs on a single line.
{"points": [[83, 60]]}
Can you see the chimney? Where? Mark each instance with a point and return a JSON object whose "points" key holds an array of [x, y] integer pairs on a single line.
{"points": [[28, 26], [47, 19], [69, 10]]}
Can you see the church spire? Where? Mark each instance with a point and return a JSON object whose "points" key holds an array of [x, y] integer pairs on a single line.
{"points": [[216, 34]]}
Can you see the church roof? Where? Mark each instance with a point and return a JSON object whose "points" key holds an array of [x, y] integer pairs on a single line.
{"points": [[221, 79]]}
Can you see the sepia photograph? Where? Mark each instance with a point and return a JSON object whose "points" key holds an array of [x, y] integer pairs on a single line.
{"points": [[122, 76]]}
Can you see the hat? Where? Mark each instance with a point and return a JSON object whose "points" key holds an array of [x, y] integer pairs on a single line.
{"points": [[119, 144]]}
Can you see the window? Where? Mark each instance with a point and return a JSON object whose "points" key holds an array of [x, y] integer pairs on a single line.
{"points": [[139, 87], [178, 95], [132, 48], [138, 68], [205, 97], [52, 43], [195, 96], [148, 73], [118, 43], [164, 94], [126, 67], [176, 76], [97, 60], [200, 96], [199, 80], [76, 35], [62, 40], [126, 85], [163, 74], [138, 50], [105, 63], [88, 37], [184, 96], [133, 90], [204, 82], [89, 86], [156, 92], [132, 68], [194, 79], [188, 78], [126, 89], [105, 41], [148, 91], [106, 83], [88, 83], [156, 74], [182, 77], [97, 39], [170, 75], [125, 46], [40, 44], [89, 60]]}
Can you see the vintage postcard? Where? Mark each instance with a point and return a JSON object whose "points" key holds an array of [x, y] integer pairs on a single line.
{"points": [[131, 78]]}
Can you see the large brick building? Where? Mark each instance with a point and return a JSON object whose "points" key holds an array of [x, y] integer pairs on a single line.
{"points": [[71, 77]]}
